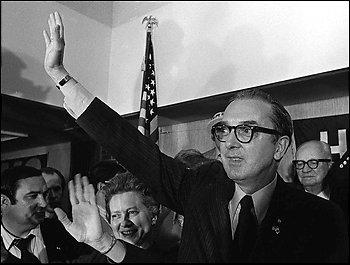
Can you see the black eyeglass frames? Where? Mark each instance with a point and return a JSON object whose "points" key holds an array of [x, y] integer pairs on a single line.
{"points": [[312, 163], [244, 133]]}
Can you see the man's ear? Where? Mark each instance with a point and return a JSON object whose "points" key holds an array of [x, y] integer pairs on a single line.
{"points": [[5, 202], [281, 147]]}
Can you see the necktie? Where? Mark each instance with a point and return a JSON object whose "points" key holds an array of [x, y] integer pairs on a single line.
{"points": [[245, 234], [22, 244]]}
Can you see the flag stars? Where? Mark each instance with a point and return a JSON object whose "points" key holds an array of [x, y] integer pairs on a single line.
{"points": [[152, 82], [152, 92]]}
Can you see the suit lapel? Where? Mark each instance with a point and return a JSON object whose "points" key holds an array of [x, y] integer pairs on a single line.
{"points": [[269, 232], [220, 217]]}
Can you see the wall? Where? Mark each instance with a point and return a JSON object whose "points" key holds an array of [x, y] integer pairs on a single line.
{"points": [[176, 137], [58, 156], [23, 50], [201, 48], [208, 48]]}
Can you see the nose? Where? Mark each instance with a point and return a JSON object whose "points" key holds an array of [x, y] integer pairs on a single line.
{"points": [[42, 201], [126, 217], [231, 141], [306, 168], [126, 222]]}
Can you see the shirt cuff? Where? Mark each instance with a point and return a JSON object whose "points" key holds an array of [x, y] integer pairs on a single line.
{"points": [[76, 99]]}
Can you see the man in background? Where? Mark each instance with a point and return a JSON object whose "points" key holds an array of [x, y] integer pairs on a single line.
{"points": [[55, 183], [214, 153], [313, 165], [26, 235]]}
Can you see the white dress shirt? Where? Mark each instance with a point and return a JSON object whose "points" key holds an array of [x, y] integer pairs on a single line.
{"points": [[37, 246], [261, 200]]}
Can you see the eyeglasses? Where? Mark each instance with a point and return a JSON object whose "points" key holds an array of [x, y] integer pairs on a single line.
{"points": [[312, 163], [244, 133]]}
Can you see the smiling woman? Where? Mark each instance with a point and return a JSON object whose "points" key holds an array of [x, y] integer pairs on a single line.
{"points": [[133, 214]]}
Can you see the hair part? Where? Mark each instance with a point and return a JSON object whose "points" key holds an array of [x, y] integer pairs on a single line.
{"points": [[280, 117], [11, 177]]}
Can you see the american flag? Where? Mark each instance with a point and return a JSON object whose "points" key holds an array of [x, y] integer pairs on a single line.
{"points": [[148, 120]]}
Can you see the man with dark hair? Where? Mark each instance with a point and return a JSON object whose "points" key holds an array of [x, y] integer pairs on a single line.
{"points": [[239, 210], [25, 236], [191, 157], [55, 183]]}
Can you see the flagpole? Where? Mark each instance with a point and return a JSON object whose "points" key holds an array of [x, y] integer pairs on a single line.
{"points": [[150, 23], [148, 118]]}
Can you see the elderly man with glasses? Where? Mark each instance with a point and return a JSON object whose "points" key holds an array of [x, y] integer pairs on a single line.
{"points": [[313, 161]]}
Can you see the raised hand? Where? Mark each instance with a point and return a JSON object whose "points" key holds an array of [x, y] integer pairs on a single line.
{"points": [[86, 226], [54, 44]]}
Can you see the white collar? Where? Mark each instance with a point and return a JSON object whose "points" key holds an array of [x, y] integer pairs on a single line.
{"points": [[261, 198]]}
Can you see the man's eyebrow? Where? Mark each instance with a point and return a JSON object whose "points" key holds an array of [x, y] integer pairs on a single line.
{"points": [[32, 193], [36, 192], [249, 122]]}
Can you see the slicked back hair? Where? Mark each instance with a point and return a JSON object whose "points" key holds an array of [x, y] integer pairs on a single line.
{"points": [[280, 117], [11, 177]]}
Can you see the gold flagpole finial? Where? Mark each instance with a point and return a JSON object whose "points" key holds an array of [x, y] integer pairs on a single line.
{"points": [[150, 22]]}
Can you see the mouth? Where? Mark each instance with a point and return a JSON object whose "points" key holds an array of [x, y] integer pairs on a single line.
{"points": [[234, 159], [128, 233], [307, 177], [40, 215]]}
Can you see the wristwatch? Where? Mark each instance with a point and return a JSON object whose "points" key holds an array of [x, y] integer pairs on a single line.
{"points": [[63, 81]]}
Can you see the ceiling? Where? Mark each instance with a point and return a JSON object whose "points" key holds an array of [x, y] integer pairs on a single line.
{"points": [[124, 11]]}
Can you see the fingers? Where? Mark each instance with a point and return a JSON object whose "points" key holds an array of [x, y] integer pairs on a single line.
{"points": [[92, 196], [78, 188], [51, 23], [81, 190], [59, 22], [72, 198], [56, 26], [62, 217], [86, 189], [46, 37], [89, 191]]}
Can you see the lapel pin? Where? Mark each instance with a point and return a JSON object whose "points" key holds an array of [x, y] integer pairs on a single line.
{"points": [[276, 228]]}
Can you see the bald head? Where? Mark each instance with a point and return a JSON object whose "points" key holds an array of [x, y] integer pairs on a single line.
{"points": [[312, 178], [316, 147]]}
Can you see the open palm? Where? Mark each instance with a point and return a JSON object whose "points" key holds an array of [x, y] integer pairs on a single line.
{"points": [[86, 224], [54, 43]]}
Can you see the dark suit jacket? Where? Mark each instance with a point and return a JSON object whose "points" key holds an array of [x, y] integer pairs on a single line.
{"points": [[298, 227], [60, 246]]}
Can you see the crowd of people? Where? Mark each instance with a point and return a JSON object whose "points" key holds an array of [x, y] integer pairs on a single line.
{"points": [[225, 205]]}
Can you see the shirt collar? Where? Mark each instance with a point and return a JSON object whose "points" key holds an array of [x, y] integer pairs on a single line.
{"points": [[261, 199], [8, 238], [323, 195]]}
